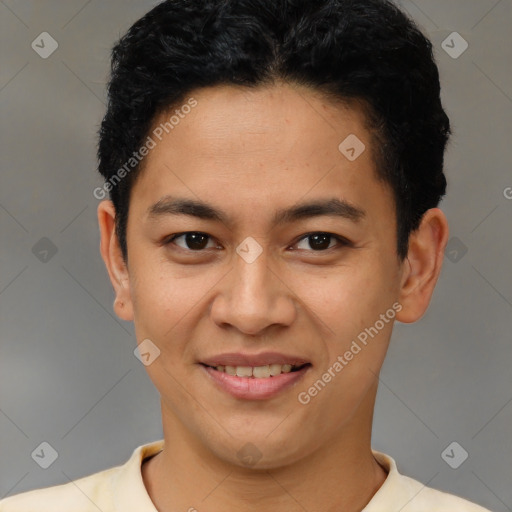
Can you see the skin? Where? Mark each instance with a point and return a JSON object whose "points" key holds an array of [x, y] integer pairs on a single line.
{"points": [[250, 153]]}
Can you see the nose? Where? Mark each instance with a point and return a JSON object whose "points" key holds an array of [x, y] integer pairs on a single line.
{"points": [[253, 297]]}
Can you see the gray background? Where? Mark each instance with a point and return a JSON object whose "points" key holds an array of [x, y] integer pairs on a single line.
{"points": [[68, 375]]}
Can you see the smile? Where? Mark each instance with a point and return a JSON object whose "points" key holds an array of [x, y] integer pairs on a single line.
{"points": [[258, 372], [255, 382]]}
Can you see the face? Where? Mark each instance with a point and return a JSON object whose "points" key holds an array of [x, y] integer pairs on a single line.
{"points": [[257, 278]]}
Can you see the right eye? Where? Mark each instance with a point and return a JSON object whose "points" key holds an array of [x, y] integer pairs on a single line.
{"points": [[194, 241]]}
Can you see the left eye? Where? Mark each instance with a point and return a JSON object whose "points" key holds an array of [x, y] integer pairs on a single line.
{"points": [[197, 241], [321, 241]]}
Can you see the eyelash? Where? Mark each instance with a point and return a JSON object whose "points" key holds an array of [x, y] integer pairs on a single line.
{"points": [[342, 242]]}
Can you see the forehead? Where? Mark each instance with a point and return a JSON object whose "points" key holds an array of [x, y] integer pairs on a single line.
{"points": [[280, 117], [280, 142]]}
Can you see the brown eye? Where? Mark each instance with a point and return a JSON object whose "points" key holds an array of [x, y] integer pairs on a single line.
{"points": [[321, 241], [193, 240]]}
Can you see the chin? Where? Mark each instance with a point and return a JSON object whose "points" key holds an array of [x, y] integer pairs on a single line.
{"points": [[259, 451]]}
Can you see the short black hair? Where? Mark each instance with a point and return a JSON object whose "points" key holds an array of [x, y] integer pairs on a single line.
{"points": [[367, 52]]}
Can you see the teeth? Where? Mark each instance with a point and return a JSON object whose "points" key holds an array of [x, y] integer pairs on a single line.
{"points": [[275, 369], [244, 371], [257, 372], [231, 370], [261, 371]]}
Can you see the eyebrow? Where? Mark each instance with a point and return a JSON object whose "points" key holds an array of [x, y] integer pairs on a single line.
{"points": [[333, 207]]}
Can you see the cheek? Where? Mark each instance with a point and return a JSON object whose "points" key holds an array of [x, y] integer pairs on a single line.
{"points": [[347, 298], [347, 307], [161, 301], [355, 341]]}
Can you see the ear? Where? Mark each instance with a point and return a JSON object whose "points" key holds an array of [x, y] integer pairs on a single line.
{"points": [[114, 261], [422, 266]]}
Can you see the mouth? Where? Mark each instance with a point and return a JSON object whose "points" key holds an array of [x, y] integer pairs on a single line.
{"points": [[266, 371], [254, 376]]}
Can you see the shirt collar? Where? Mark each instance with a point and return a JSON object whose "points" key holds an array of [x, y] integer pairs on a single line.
{"points": [[130, 494]]}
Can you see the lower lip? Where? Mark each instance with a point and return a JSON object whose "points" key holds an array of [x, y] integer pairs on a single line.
{"points": [[250, 388]]}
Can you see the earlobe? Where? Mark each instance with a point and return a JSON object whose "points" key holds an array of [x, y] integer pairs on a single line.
{"points": [[114, 261], [422, 266]]}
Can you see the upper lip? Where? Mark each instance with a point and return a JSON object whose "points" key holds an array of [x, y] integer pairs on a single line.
{"points": [[262, 359]]}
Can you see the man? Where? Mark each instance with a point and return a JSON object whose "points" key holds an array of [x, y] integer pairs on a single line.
{"points": [[274, 170]]}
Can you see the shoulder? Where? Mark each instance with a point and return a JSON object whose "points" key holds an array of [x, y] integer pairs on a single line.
{"points": [[400, 492], [118, 488], [86, 494], [425, 499]]}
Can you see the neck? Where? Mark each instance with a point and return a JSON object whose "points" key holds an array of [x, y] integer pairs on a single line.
{"points": [[341, 474]]}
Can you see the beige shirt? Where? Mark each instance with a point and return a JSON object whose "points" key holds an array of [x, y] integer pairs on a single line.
{"points": [[121, 489]]}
